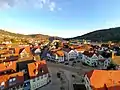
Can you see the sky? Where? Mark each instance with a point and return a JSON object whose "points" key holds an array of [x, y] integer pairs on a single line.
{"points": [[63, 18]]}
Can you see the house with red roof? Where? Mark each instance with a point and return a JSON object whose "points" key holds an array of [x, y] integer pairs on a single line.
{"points": [[7, 67], [70, 54], [12, 81], [9, 77], [103, 80], [94, 59], [39, 74], [19, 70], [58, 56]]}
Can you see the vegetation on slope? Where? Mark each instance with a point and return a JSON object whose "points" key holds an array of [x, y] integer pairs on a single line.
{"points": [[112, 34]]}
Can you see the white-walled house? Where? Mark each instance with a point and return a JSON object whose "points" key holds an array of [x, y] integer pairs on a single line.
{"points": [[37, 51], [95, 59], [90, 59], [57, 56], [72, 54], [39, 74]]}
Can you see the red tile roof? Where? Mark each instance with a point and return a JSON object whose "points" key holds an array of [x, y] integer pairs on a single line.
{"points": [[18, 50], [8, 66], [4, 79], [2, 52], [36, 67], [27, 49], [101, 78], [59, 53], [9, 57]]}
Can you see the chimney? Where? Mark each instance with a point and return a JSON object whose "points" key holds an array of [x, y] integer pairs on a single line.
{"points": [[113, 55]]}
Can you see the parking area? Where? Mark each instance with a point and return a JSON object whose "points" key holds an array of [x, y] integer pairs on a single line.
{"points": [[68, 70]]}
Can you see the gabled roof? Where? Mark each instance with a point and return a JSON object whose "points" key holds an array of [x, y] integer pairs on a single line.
{"points": [[2, 52], [90, 53], [67, 50], [37, 68], [5, 79], [27, 49], [18, 50], [9, 57], [87, 53], [60, 53], [19, 76], [8, 66], [104, 79], [80, 49]]}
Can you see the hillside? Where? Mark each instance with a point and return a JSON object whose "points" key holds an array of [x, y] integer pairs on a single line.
{"points": [[3, 32], [112, 34], [8, 36], [40, 36], [15, 37]]}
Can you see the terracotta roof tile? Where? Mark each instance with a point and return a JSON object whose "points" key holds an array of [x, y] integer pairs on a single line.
{"points": [[60, 53], [8, 66], [110, 79], [28, 50], [3, 80], [19, 78], [9, 57], [18, 50], [2, 52], [37, 68]]}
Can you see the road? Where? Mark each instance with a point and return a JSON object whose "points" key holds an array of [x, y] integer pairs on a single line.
{"points": [[69, 70]]}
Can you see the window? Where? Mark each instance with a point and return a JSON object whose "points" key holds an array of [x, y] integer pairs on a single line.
{"points": [[41, 77], [21, 86], [37, 78], [10, 80], [45, 75], [87, 61], [38, 85], [17, 87], [34, 86], [87, 87], [41, 70], [14, 79], [24, 71], [13, 88], [34, 80], [3, 83]]}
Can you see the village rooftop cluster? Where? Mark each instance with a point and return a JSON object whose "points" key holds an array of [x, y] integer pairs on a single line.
{"points": [[24, 66]]}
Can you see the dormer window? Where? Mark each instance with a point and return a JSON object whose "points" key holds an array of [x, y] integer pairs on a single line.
{"points": [[12, 81], [35, 71], [2, 84], [41, 70]]}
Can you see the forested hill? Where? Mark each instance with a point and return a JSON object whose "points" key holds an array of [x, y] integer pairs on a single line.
{"points": [[112, 34]]}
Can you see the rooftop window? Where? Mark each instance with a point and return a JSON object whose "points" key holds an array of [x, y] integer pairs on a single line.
{"points": [[12, 80], [3, 83]]}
